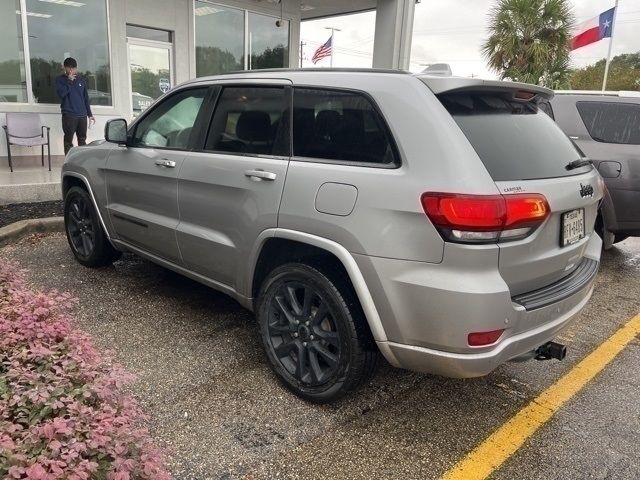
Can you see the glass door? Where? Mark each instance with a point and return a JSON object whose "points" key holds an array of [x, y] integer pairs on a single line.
{"points": [[151, 67]]}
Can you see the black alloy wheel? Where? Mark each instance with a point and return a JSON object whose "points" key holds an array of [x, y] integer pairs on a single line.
{"points": [[314, 332], [303, 333], [82, 231], [85, 235]]}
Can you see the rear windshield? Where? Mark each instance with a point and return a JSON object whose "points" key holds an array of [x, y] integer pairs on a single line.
{"points": [[515, 140]]}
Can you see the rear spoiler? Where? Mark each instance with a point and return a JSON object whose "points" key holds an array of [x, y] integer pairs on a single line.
{"points": [[520, 91]]}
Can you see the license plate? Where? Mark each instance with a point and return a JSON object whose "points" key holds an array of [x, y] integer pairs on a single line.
{"points": [[572, 227]]}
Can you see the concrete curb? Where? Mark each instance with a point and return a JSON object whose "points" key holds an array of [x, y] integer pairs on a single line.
{"points": [[18, 230]]}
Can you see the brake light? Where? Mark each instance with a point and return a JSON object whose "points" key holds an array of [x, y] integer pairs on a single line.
{"points": [[482, 339], [485, 218]]}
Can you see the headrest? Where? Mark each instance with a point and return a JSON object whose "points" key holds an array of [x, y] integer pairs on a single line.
{"points": [[327, 123], [254, 126]]}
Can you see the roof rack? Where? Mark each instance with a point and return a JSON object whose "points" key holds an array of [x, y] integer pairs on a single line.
{"points": [[621, 93], [324, 70]]}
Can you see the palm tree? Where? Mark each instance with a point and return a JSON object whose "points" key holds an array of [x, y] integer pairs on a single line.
{"points": [[529, 41]]}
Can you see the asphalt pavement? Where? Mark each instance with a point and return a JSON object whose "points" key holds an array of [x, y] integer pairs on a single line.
{"points": [[219, 412]]}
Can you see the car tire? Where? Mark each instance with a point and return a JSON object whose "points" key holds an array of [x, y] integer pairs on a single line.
{"points": [[85, 234], [314, 332], [607, 236], [619, 238]]}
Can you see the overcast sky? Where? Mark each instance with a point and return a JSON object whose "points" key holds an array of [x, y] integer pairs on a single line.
{"points": [[452, 31]]}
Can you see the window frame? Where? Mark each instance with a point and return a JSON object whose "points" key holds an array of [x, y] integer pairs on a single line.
{"points": [[197, 124], [392, 140], [608, 102], [201, 145], [27, 64]]}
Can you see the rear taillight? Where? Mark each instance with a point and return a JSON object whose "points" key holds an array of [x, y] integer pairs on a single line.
{"points": [[485, 218]]}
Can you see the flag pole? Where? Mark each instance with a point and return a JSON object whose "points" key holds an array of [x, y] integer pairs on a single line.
{"points": [[606, 66], [333, 29]]}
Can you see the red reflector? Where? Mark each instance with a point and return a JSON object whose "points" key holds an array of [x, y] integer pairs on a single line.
{"points": [[479, 339], [483, 213]]}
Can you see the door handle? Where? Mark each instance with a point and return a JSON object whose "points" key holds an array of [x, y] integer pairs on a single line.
{"points": [[259, 175], [166, 163]]}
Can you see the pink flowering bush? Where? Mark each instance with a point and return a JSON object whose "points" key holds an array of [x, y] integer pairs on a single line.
{"points": [[63, 411]]}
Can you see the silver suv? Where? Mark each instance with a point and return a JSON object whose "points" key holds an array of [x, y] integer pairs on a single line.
{"points": [[447, 223]]}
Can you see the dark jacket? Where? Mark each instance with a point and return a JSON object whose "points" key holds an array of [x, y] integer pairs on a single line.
{"points": [[74, 99]]}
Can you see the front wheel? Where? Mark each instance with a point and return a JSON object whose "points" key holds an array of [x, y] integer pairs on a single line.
{"points": [[85, 235], [314, 333]]}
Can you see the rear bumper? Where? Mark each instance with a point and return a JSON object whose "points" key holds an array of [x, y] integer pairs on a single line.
{"points": [[428, 310], [466, 365]]}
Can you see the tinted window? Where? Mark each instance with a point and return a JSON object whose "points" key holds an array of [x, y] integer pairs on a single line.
{"points": [[251, 120], [611, 122], [341, 126], [545, 106], [514, 140], [170, 123]]}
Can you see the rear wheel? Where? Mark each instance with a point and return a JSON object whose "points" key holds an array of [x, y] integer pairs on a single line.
{"points": [[85, 235], [314, 333], [619, 238]]}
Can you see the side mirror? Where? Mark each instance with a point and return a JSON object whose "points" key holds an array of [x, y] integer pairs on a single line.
{"points": [[115, 131]]}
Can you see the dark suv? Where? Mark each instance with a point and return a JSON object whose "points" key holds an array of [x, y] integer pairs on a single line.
{"points": [[606, 127]]}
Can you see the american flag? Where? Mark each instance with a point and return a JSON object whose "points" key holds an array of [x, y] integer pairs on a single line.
{"points": [[323, 51]]}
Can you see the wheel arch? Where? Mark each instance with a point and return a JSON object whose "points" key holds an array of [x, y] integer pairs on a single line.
{"points": [[74, 179], [278, 246]]}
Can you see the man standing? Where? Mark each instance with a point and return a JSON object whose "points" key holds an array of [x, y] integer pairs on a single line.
{"points": [[74, 103]]}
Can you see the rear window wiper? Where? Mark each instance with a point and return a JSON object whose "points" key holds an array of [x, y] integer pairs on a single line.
{"points": [[581, 162]]}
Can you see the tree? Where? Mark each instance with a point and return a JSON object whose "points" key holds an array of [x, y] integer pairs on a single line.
{"points": [[624, 74], [213, 61], [274, 57], [529, 41]]}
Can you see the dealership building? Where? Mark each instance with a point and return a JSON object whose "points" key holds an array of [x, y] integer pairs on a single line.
{"points": [[132, 51]]}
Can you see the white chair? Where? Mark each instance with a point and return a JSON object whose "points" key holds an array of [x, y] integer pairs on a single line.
{"points": [[26, 129]]}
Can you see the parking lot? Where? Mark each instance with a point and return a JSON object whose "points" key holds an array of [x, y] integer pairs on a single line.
{"points": [[220, 413]]}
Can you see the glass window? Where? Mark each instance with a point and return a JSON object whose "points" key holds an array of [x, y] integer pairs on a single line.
{"points": [[250, 120], [545, 106], [134, 31], [150, 74], [611, 122], [268, 42], [69, 29], [219, 39], [514, 140], [12, 74], [170, 123], [341, 126]]}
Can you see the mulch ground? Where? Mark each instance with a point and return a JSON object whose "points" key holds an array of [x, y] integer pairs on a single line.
{"points": [[24, 211]]}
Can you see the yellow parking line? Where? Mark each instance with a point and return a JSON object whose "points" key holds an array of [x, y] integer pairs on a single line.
{"points": [[504, 442]]}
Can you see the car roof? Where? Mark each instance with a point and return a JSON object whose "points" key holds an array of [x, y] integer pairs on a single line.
{"points": [[437, 83]]}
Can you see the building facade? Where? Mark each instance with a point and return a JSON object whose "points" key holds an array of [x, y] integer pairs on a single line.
{"points": [[132, 51]]}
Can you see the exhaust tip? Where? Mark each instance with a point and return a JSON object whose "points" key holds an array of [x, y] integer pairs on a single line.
{"points": [[551, 350]]}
